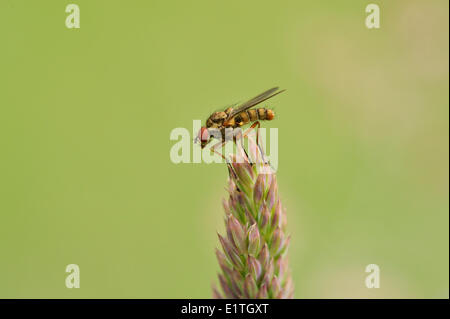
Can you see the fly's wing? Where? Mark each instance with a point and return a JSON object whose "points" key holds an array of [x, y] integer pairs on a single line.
{"points": [[256, 100]]}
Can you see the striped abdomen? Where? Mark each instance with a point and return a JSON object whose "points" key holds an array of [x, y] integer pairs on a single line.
{"points": [[251, 115]]}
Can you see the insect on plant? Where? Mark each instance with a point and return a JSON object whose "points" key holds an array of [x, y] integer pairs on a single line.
{"points": [[236, 118]]}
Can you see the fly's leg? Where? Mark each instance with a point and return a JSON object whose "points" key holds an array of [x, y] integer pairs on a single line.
{"points": [[222, 143], [217, 145], [247, 131], [256, 125], [225, 138]]}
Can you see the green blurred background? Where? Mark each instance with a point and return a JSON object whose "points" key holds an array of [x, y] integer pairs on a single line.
{"points": [[86, 114]]}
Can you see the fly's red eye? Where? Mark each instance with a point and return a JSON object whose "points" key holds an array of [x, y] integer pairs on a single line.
{"points": [[203, 134]]}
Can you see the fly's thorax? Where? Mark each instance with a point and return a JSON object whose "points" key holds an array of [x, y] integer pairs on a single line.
{"points": [[216, 119]]}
